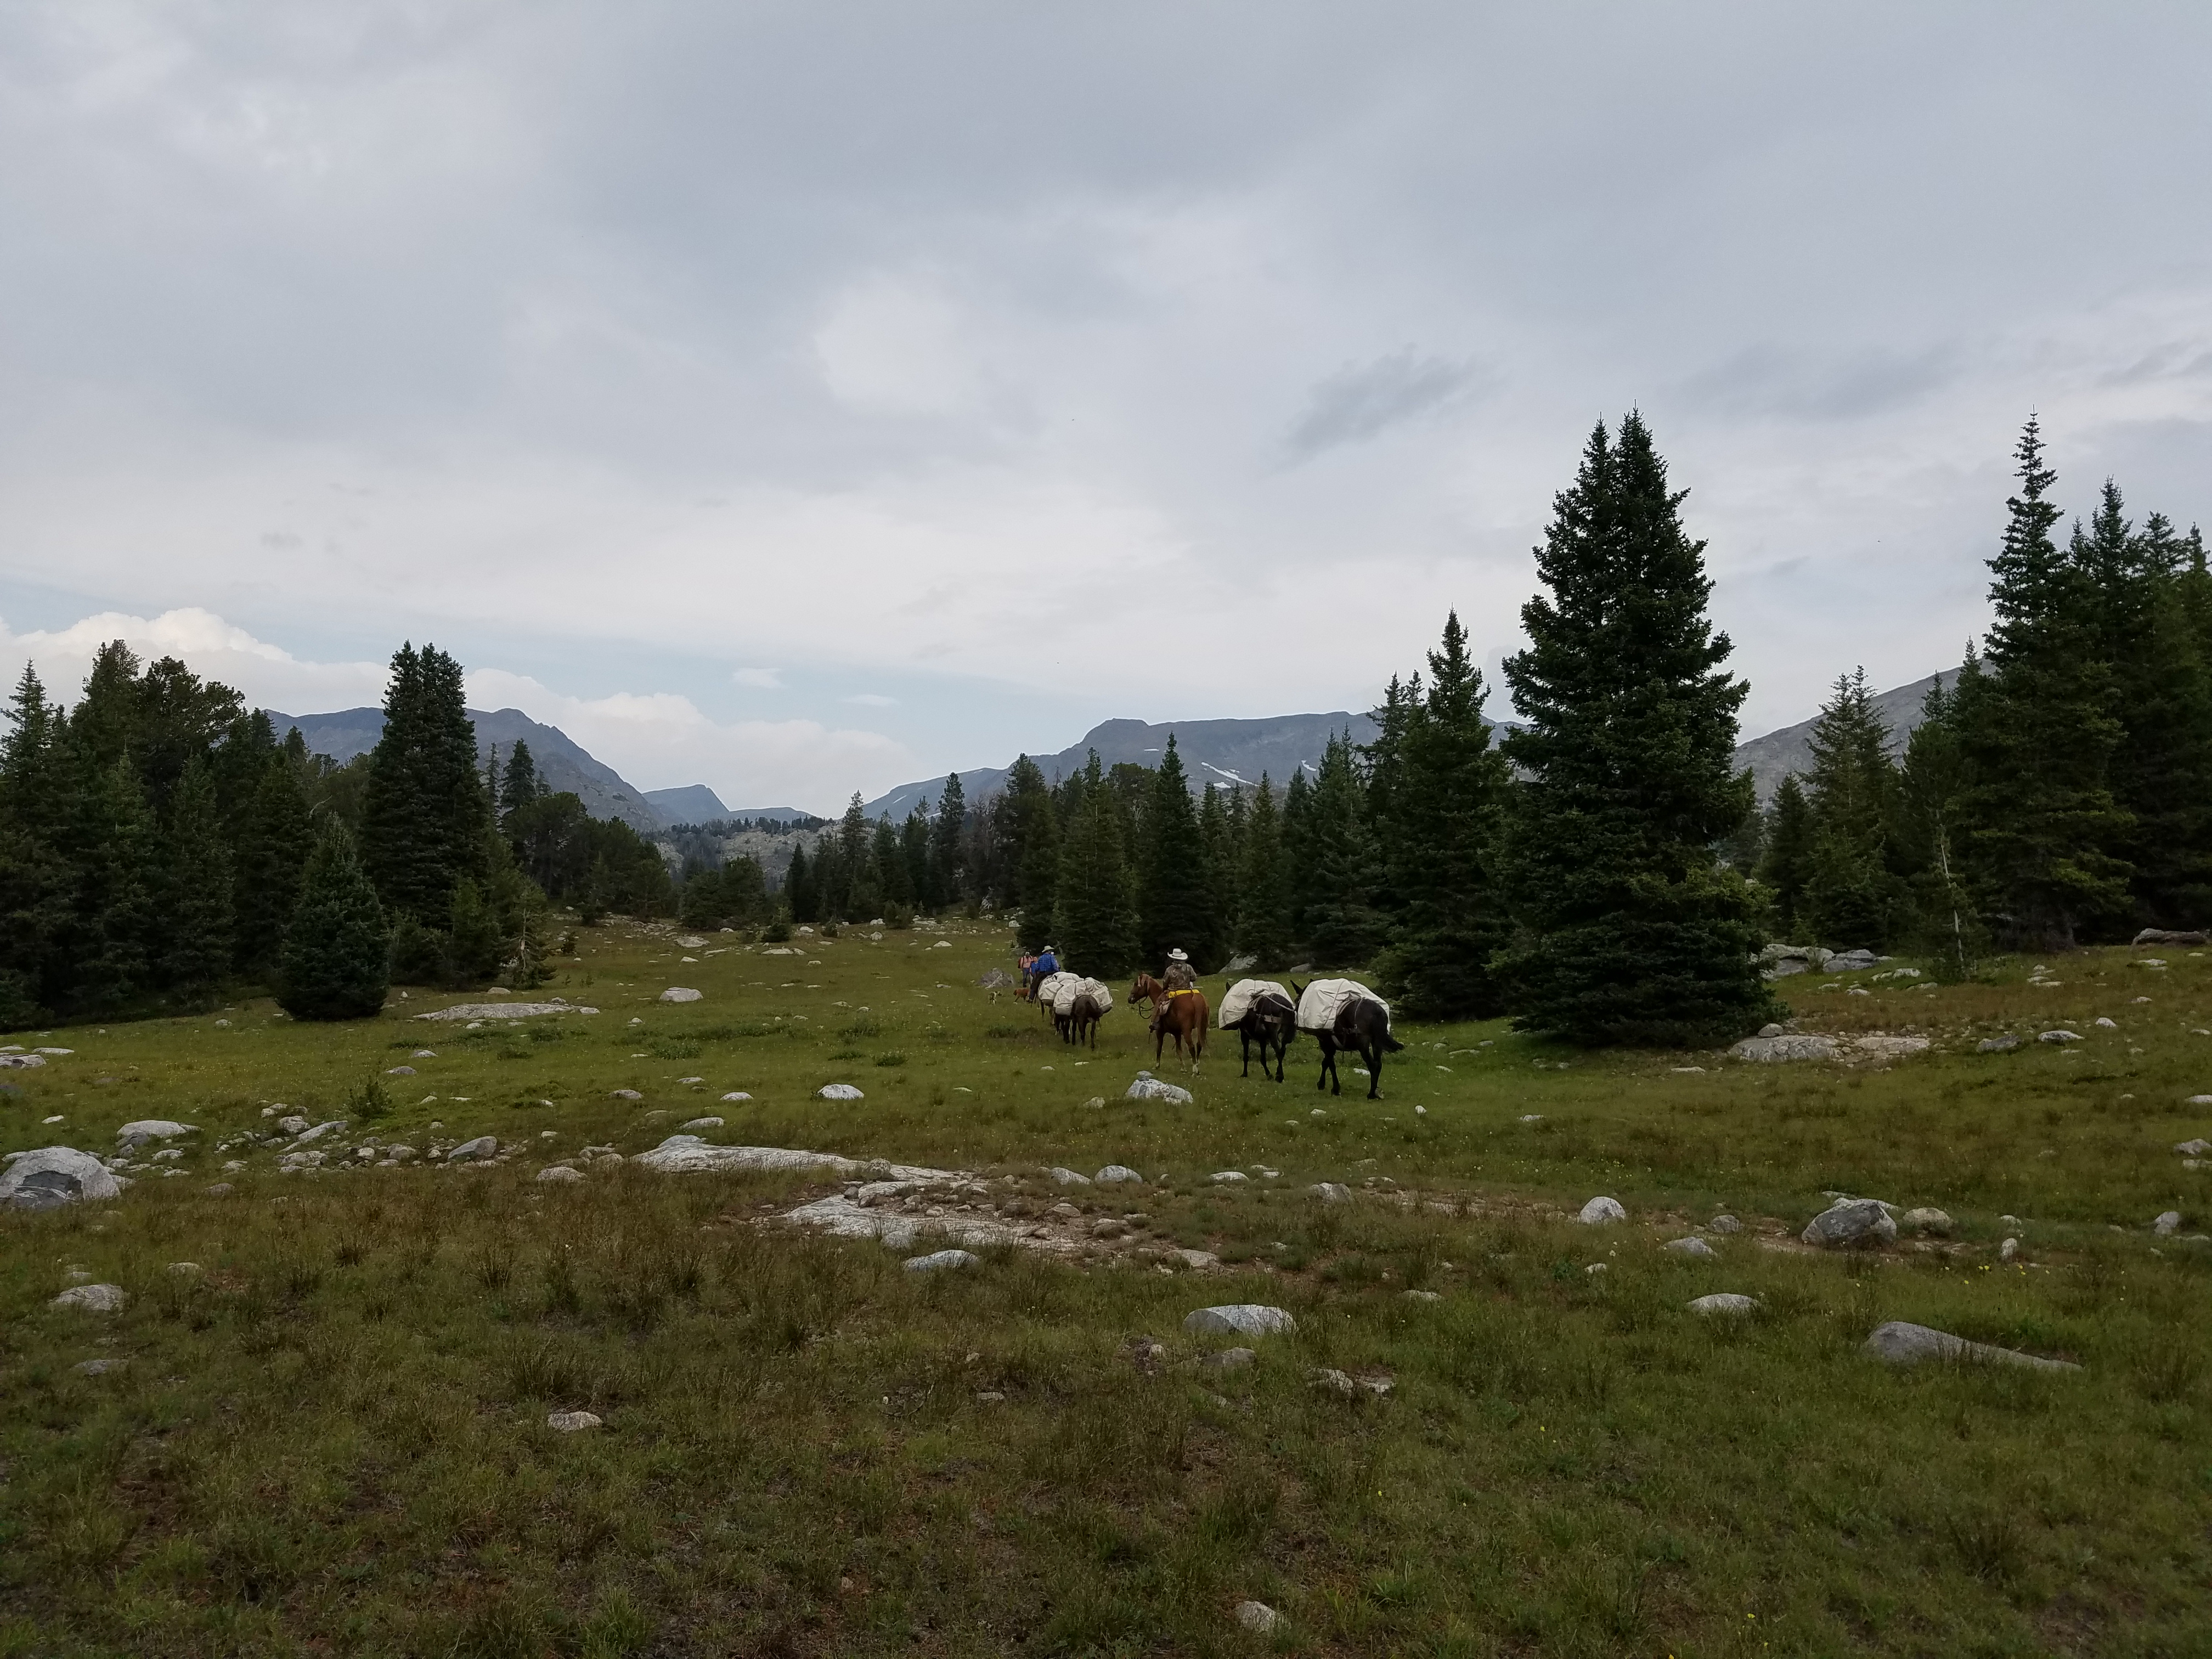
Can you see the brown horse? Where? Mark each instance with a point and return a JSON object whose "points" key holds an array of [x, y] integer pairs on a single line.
{"points": [[1183, 1014]]}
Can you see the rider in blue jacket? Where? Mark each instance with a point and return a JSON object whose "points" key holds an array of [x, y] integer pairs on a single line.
{"points": [[1046, 964]]}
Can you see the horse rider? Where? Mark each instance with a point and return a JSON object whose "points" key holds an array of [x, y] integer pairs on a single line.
{"points": [[1180, 976], [1047, 963]]}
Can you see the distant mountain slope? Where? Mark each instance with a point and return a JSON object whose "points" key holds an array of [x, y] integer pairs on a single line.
{"points": [[563, 763], [695, 802], [1776, 755], [1213, 751]]}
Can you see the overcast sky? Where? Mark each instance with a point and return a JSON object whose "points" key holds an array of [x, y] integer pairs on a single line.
{"points": [[803, 398]]}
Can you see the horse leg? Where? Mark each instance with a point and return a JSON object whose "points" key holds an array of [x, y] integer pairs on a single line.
{"points": [[1374, 1057], [1245, 1037]]}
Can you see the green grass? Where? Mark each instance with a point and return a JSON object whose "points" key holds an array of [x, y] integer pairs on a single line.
{"points": [[332, 1437]]}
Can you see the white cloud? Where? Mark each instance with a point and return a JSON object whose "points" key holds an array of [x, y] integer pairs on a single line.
{"points": [[872, 700], [269, 676], [763, 679]]}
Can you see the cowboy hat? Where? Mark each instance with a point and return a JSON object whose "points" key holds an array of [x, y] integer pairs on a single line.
{"points": [[1177, 956]]}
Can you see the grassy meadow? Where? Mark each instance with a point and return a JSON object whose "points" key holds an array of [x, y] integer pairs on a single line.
{"points": [[329, 1434]]}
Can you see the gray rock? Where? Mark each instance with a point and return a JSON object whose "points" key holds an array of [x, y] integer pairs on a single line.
{"points": [[1421, 1296], [469, 1150], [2167, 1223], [2161, 936], [558, 1174], [51, 1176], [399, 1070], [2059, 1036], [1232, 1177], [570, 1422], [1724, 1224], [1116, 1175], [1851, 962], [1996, 1045], [625, 1094], [1927, 1220], [1331, 1192], [1724, 1302], [293, 1125], [1771, 1030], [1068, 1177], [1229, 1359], [1851, 1224], [1892, 1046], [1328, 1377], [1692, 1246], [95, 1298], [1148, 1087], [132, 1136], [22, 1062], [1258, 1618], [680, 993], [98, 1367], [183, 1269], [839, 1091], [321, 1130], [1767, 1050], [1601, 1212], [219, 1189], [704, 1123], [1196, 1259], [2009, 1249], [473, 1011], [1240, 1319], [937, 1260], [1898, 1343], [737, 1094], [2195, 1148]]}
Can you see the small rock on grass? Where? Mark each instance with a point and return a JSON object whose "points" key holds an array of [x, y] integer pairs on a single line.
{"points": [[1602, 1211], [1724, 1302], [2167, 1223], [1331, 1192], [1257, 1617], [703, 1123], [839, 1091], [1901, 1343], [1117, 1173], [1231, 1177], [1927, 1220], [1692, 1246], [559, 1173], [2009, 1249], [102, 1299], [737, 1094], [1996, 1045], [570, 1422], [625, 1094], [1422, 1296], [2059, 1036], [1229, 1359], [1331, 1380], [1068, 1177], [1240, 1319], [469, 1150], [1723, 1223], [1148, 1087], [98, 1367], [936, 1260]]}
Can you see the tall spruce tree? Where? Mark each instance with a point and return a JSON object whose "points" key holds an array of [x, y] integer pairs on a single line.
{"points": [[1093, 907], [1174, 879], [1036, 871], [1220, 829], [1441, 840], [948, 881], [38, 783], [196, 916], [2039, 818], [335, 965], [424, 811], [114, 845], [1930, 793], [1337, 881], [520, 787], [1628, 929], [275, 838], [1263, 916], [1785, 866], [1852, 896]]}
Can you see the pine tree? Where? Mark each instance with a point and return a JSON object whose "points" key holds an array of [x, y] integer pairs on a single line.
{"points": [[1175, 880], [38, 809], [1931, 791], [1851, 896], [798, 890], [1447, 797], [949, 885], [113, 852], [196, 913], [1385, 796], [334, 964], [1263, 920], [1220, 829], [1093, 909], [1298, 851], [918, 870], [1337, 883], [1628, 929], [1036, 879], [519, 786], [1786, 867], [423, 820], [475, 940], [2039, 819]]}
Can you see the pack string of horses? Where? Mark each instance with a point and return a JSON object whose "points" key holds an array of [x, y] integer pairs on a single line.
{"points": [[1341, 1015]]}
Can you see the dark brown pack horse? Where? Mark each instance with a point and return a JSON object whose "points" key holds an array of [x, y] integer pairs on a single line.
{"points": [[1082, 1019], [1271, 1022], [1182, 1015], [1363, 1029]]}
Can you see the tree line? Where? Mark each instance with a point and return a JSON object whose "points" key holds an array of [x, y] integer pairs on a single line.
{"points": [[159, 842], [2059, 792]]}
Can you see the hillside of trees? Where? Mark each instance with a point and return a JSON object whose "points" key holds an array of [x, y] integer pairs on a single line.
{"points": [[159, 842]]}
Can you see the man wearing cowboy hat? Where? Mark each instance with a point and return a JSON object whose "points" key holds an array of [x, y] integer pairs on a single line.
{"points": [[1180, 976]]}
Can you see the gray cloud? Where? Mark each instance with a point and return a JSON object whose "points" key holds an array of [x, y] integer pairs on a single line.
{"points": [[1363, 400], [627, 347]]}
